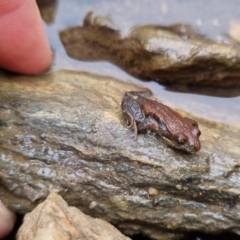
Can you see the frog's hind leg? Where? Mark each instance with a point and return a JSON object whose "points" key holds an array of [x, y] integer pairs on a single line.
{"points": [[135, 130], [149, 124], [132, 124], [129, 119]]}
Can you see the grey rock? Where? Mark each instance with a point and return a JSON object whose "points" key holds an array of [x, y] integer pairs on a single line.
{"points": [[63, 132]]}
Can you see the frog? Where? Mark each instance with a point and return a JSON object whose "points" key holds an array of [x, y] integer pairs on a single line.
{"points": [[143, 114]]}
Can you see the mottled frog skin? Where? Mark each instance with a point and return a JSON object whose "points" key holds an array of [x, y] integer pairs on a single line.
{"points": [[142, 114]]}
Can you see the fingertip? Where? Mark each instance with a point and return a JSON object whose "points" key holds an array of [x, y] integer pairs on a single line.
{"points": [[7, 220], [24, 46]]}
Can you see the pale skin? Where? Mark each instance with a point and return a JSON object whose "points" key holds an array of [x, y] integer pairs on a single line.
{"points": [[24, 48]]}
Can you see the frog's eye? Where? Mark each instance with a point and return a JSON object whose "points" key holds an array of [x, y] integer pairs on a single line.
{"points": [[181, 139], [193, 122], [196, 132]]}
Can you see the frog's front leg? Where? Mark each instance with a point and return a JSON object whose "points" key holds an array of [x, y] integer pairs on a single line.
{"points": [[132, 113]]}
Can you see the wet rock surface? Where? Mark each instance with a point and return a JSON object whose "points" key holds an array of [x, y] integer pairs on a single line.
{"points": [[64, 132], [54, 219], [171, 55]]}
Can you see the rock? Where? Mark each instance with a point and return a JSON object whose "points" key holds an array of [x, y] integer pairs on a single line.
{"points": [[173, 55], [64, 132], [47, 9], [54, 219]]}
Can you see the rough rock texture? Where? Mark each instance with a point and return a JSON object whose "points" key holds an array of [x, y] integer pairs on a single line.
{"points": [[54, 219], [173, 55], [63, 132]]}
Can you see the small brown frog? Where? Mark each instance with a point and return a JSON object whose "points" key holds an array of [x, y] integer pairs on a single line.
{"points": [[144, 114]]}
